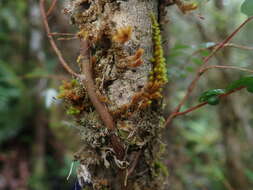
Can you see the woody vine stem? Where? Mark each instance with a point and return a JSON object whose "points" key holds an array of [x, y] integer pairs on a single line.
{"points": [[86, 78]]}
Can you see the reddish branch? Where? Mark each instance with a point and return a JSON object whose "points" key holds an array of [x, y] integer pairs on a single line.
{"points": [[226, 67], [51, 8], [232, 45], [176, 114], [87, 79], [61, 34], [229, 38], [52, 42], [135, 162], [201, 69], [100, 107]]}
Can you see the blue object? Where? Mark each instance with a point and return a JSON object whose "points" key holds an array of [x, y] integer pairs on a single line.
{"points": [[77, 186]]}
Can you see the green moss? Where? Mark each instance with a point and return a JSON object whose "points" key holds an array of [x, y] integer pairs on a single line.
{"points": [[159, 69], [73, 111], [161, 168]]}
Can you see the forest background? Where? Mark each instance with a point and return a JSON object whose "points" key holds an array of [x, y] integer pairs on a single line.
{"points": [[38, 138]]}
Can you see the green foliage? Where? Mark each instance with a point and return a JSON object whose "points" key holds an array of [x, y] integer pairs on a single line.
{"points": [[249, 173], [200, 136], [12, 102], [73, 111], [37, 73], [212, 96], [246, 81], [161, 168], [13, 26], [247, 8], [159, 73]]}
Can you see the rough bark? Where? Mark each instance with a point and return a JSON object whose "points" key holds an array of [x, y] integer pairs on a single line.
{"points": [[120, 72]]}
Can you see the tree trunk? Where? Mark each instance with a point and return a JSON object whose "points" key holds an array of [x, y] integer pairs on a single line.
{"points": [[118, 32], [40, 122]]}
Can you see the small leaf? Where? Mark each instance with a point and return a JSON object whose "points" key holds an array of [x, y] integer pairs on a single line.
{"points": [[250, 89], [210, 94], [244, 81], [213, 100], [205, 53], [180, 47], [247, 8], [197, 61]]}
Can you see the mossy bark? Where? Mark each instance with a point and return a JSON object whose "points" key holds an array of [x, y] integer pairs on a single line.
{"points": [[120, 72]]}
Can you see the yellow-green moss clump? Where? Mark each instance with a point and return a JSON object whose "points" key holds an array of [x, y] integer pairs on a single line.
{"points": [[158, 75], [74, 97], [159, 72]]}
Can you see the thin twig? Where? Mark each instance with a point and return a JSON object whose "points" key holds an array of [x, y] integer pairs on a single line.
{"points": [[226, 67], [86, 77], [61, 34], [100, 107], [134, 164], [65, 39], [176, 114], [51, 8], [229, 38], [199, 72], [137, 156], [226, 45], [52, 42]]}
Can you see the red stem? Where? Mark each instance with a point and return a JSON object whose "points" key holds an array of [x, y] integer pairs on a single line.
{"points": [[100, 107], [52, 42], [201, 69], [176, 114], [51, 8]]}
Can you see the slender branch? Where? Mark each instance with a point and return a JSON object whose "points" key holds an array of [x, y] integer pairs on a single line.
{"points": [[51, 8], [52, 42], [89, 84], [238, 46], [229, 38], [61, 34], [87, 79], [100, 107], [176, 114], [70, 38], [226, 67], [226, 45], [206, 60], [135, 162]]}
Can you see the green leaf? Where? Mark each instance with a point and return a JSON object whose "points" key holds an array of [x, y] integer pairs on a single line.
{"points": [[197, 61], [246, 81], [180, 47], [205, 53], [213, 100], [249, 173], [247, 8], [211, 96]]}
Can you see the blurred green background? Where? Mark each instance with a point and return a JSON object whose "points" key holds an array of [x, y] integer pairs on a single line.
{"points": [[210, 149]]}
